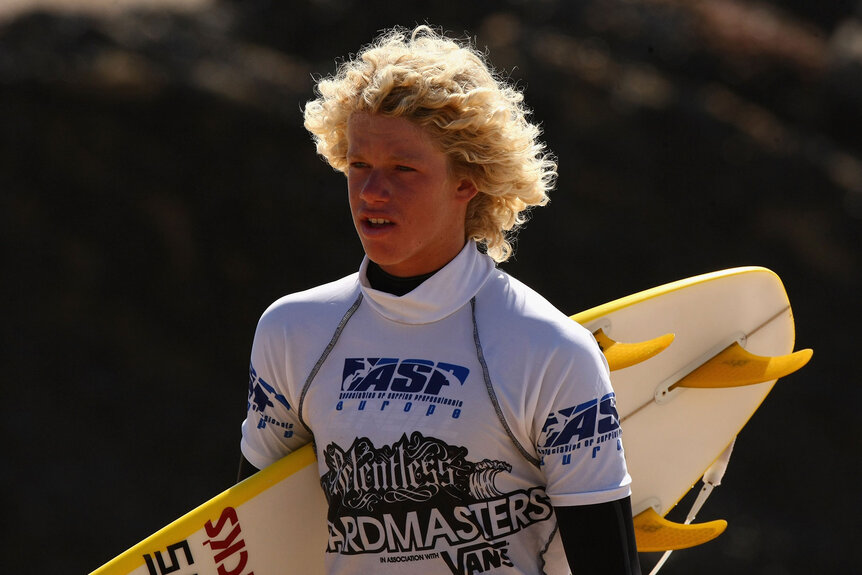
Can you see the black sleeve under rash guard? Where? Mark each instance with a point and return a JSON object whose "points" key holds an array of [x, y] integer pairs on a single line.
{"points": [[246, 469], [599, 539]]}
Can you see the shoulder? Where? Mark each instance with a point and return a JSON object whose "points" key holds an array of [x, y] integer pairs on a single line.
{"points": [[511, 304], [314, 306], [521, 325]]}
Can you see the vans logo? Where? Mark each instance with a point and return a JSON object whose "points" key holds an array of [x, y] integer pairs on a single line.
{"points": [[479, 558]]}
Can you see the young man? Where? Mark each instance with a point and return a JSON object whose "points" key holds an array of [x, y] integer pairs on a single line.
{"points": [[462, 424]]}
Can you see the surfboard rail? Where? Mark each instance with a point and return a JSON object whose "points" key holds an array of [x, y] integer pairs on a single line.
{"points": [[592, 314]]}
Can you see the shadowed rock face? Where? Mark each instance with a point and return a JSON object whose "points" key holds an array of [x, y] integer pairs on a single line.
{"points": [[158, 191]]}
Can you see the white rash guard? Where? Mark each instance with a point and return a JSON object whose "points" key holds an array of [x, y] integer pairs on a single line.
{"points": [[448, 422]]}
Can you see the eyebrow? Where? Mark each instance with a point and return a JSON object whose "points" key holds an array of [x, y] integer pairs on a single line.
{"points": [[392, 157]]}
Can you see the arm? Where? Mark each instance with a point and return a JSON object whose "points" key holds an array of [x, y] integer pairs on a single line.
{"points": [[599, 539], [246, 469]]}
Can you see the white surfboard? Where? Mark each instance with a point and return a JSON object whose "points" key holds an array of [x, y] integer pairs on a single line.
{"points": [[694, 361]]}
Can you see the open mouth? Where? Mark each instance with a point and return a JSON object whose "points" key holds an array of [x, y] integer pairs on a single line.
{"points": [[378, 222]]}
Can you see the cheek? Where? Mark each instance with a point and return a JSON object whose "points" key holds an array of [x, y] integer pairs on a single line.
{"points": [[352, 192]]}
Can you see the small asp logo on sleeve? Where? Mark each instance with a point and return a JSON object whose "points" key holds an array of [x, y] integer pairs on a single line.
{"points": [[262, 400], [586, 425]]}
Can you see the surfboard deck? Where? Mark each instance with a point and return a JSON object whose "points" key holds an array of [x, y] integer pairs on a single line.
{"points": [[275, 521]]}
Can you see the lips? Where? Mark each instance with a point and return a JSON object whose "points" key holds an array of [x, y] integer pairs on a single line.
{"points": [[371, 226], [376, 218], [378, 221]]}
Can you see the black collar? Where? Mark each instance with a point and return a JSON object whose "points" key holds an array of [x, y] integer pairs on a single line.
{"points": [[398, 286]]}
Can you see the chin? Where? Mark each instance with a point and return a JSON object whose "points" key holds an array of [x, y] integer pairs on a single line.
{"points": [[382, 258]]}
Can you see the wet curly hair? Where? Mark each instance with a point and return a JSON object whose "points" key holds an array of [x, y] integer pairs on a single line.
{"points": [[475, 117]]}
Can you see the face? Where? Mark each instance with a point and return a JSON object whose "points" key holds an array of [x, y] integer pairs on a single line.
{"points": [[408, 209]]}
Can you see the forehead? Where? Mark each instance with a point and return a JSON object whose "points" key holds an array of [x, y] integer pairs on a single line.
{"points": [[392, 136]]}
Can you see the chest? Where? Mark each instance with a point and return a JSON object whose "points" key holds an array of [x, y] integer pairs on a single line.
{"points": [[383, 379]]}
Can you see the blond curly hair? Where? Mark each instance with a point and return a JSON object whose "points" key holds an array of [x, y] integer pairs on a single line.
{"points": [[476, 118]]}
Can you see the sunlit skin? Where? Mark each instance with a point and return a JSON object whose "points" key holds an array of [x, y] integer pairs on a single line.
{"points": [[407, 206]]}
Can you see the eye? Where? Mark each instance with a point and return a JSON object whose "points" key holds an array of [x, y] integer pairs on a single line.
{"points": [[358, 165], [404, 169]]}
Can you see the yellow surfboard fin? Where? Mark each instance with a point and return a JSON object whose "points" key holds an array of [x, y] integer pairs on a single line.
{"points": [[735, 367], [620, 355], [655, 533]]}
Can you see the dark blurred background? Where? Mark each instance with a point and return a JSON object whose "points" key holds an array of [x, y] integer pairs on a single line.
{"points": [[158, 191]]}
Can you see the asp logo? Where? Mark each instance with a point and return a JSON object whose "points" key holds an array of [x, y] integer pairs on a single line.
{"points": [[396, 375], [261, 394], [580, 422]]}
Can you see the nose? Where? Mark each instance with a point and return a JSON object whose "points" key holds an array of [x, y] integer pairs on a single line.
{"points": [[374, 188]]}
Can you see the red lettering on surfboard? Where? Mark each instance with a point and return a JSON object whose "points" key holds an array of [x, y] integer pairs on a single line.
{"points": [[231, 557]]}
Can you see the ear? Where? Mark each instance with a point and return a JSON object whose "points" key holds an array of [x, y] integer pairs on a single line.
{"points": [[466, 190]]}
